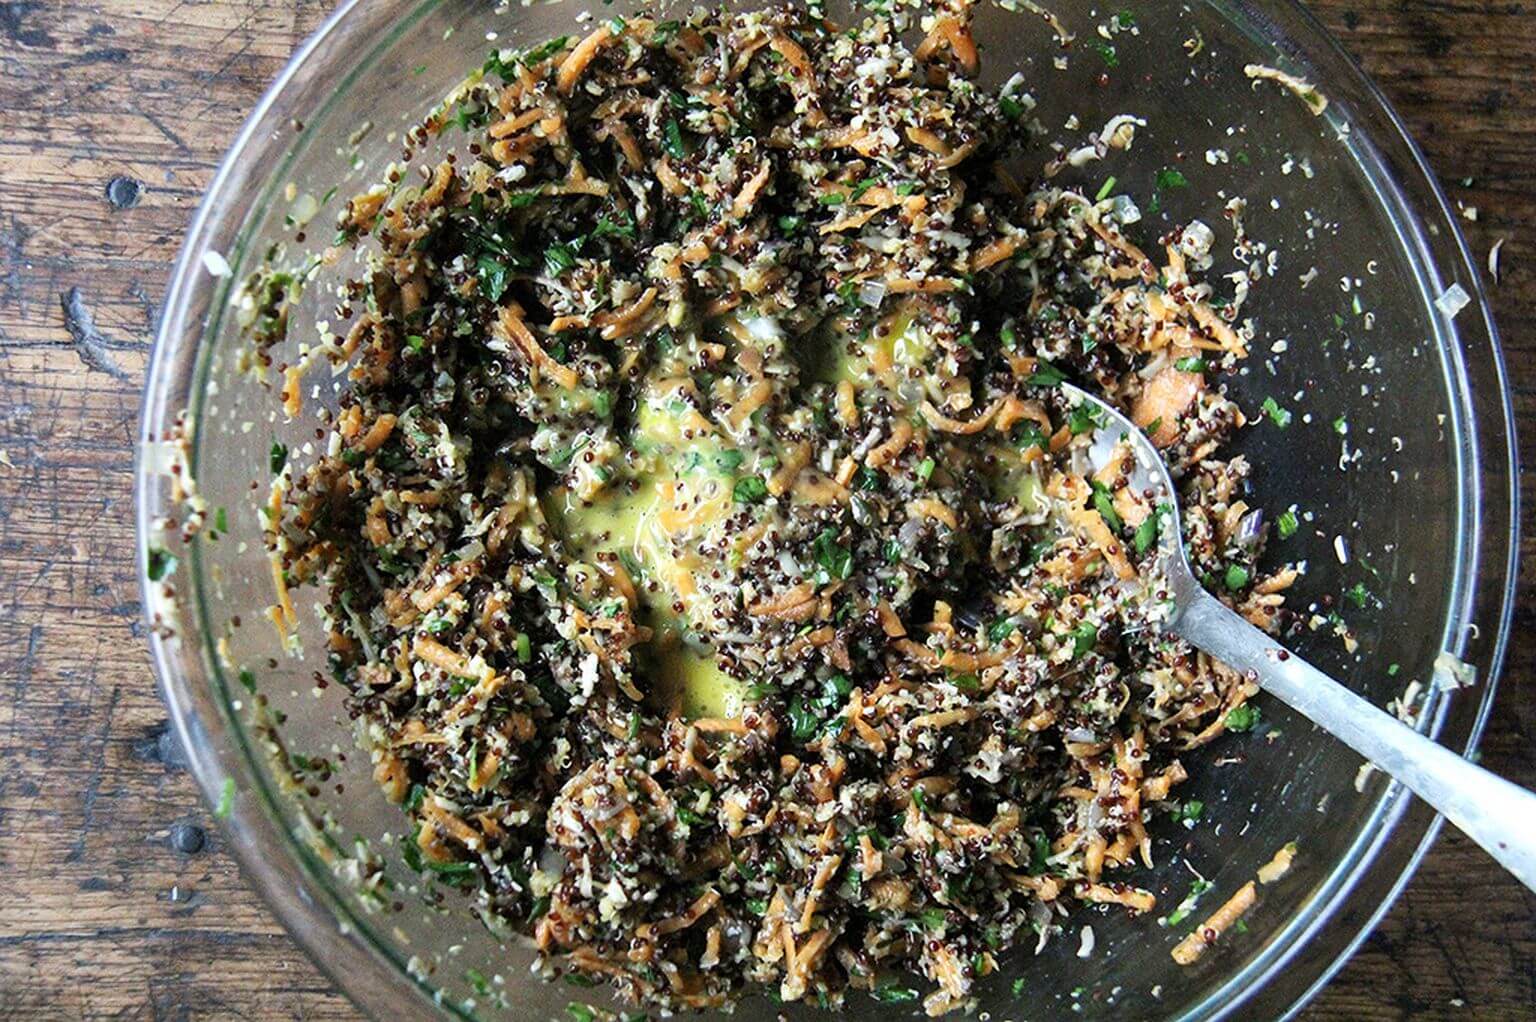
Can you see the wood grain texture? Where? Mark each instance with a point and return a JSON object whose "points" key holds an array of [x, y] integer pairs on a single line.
{"points": [[117, 898]]}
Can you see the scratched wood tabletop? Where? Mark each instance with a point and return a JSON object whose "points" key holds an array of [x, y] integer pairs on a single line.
{"points": [[118, 898]]}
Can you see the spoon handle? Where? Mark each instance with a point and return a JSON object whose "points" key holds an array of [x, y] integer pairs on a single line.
{"points": [[1498, 815]]}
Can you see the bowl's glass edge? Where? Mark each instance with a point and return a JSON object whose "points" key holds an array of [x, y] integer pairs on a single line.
{"points": [[215, 753], [367, 971], [1490, 470]]}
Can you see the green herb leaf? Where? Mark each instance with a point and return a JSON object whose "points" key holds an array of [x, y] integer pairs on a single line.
{"points": [[1190, 364], [1187, 906], [1287, 524], [226, 800], [1170, 178], [894, 995], [1147, 531], [620, 228], [1000, 629], [1040, 854], [833, 559], [558, 259], [1084, 637], [802, 720], [545, 50], [674, 140], [1104, 504], [1082, 419], [1046, 375], [161, 562], [452, 870], [1357, 595], [1279, 416], [749, 490], [492, 274], [1243, 718], [277, 457], [861, 187], [1029, 434]]}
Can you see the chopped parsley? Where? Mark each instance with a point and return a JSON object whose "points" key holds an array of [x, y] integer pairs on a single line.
{"points": [[226, 803], [493, 275], [1046, 375], [558, 259], [1104, 504], [894, 994], [673, 140], [1281, 417], [1147, 531], [160, 563], [749, 490], [1243, 718], [834, 561], [1084, 637], [1191, 900]]}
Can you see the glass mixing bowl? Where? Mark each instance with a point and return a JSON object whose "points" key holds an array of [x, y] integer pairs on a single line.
{"points": [[1416, 501]]}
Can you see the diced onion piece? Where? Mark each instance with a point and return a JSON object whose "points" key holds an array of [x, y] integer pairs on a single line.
{"points": [[1452, 300]]}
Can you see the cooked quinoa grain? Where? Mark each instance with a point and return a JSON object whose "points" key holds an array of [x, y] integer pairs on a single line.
{"points": [[718, 572]]}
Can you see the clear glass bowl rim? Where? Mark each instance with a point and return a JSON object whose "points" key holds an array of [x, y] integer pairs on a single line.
{"points": [[300, 892]]}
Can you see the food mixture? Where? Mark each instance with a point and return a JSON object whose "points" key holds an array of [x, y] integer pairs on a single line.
{"points": [[721, 578]]}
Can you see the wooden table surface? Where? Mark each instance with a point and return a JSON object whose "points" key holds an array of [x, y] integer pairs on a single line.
{"points": [[118, 898]]}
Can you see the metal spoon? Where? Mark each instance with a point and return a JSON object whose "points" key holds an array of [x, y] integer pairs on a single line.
{"points": [[1496, 814]]}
